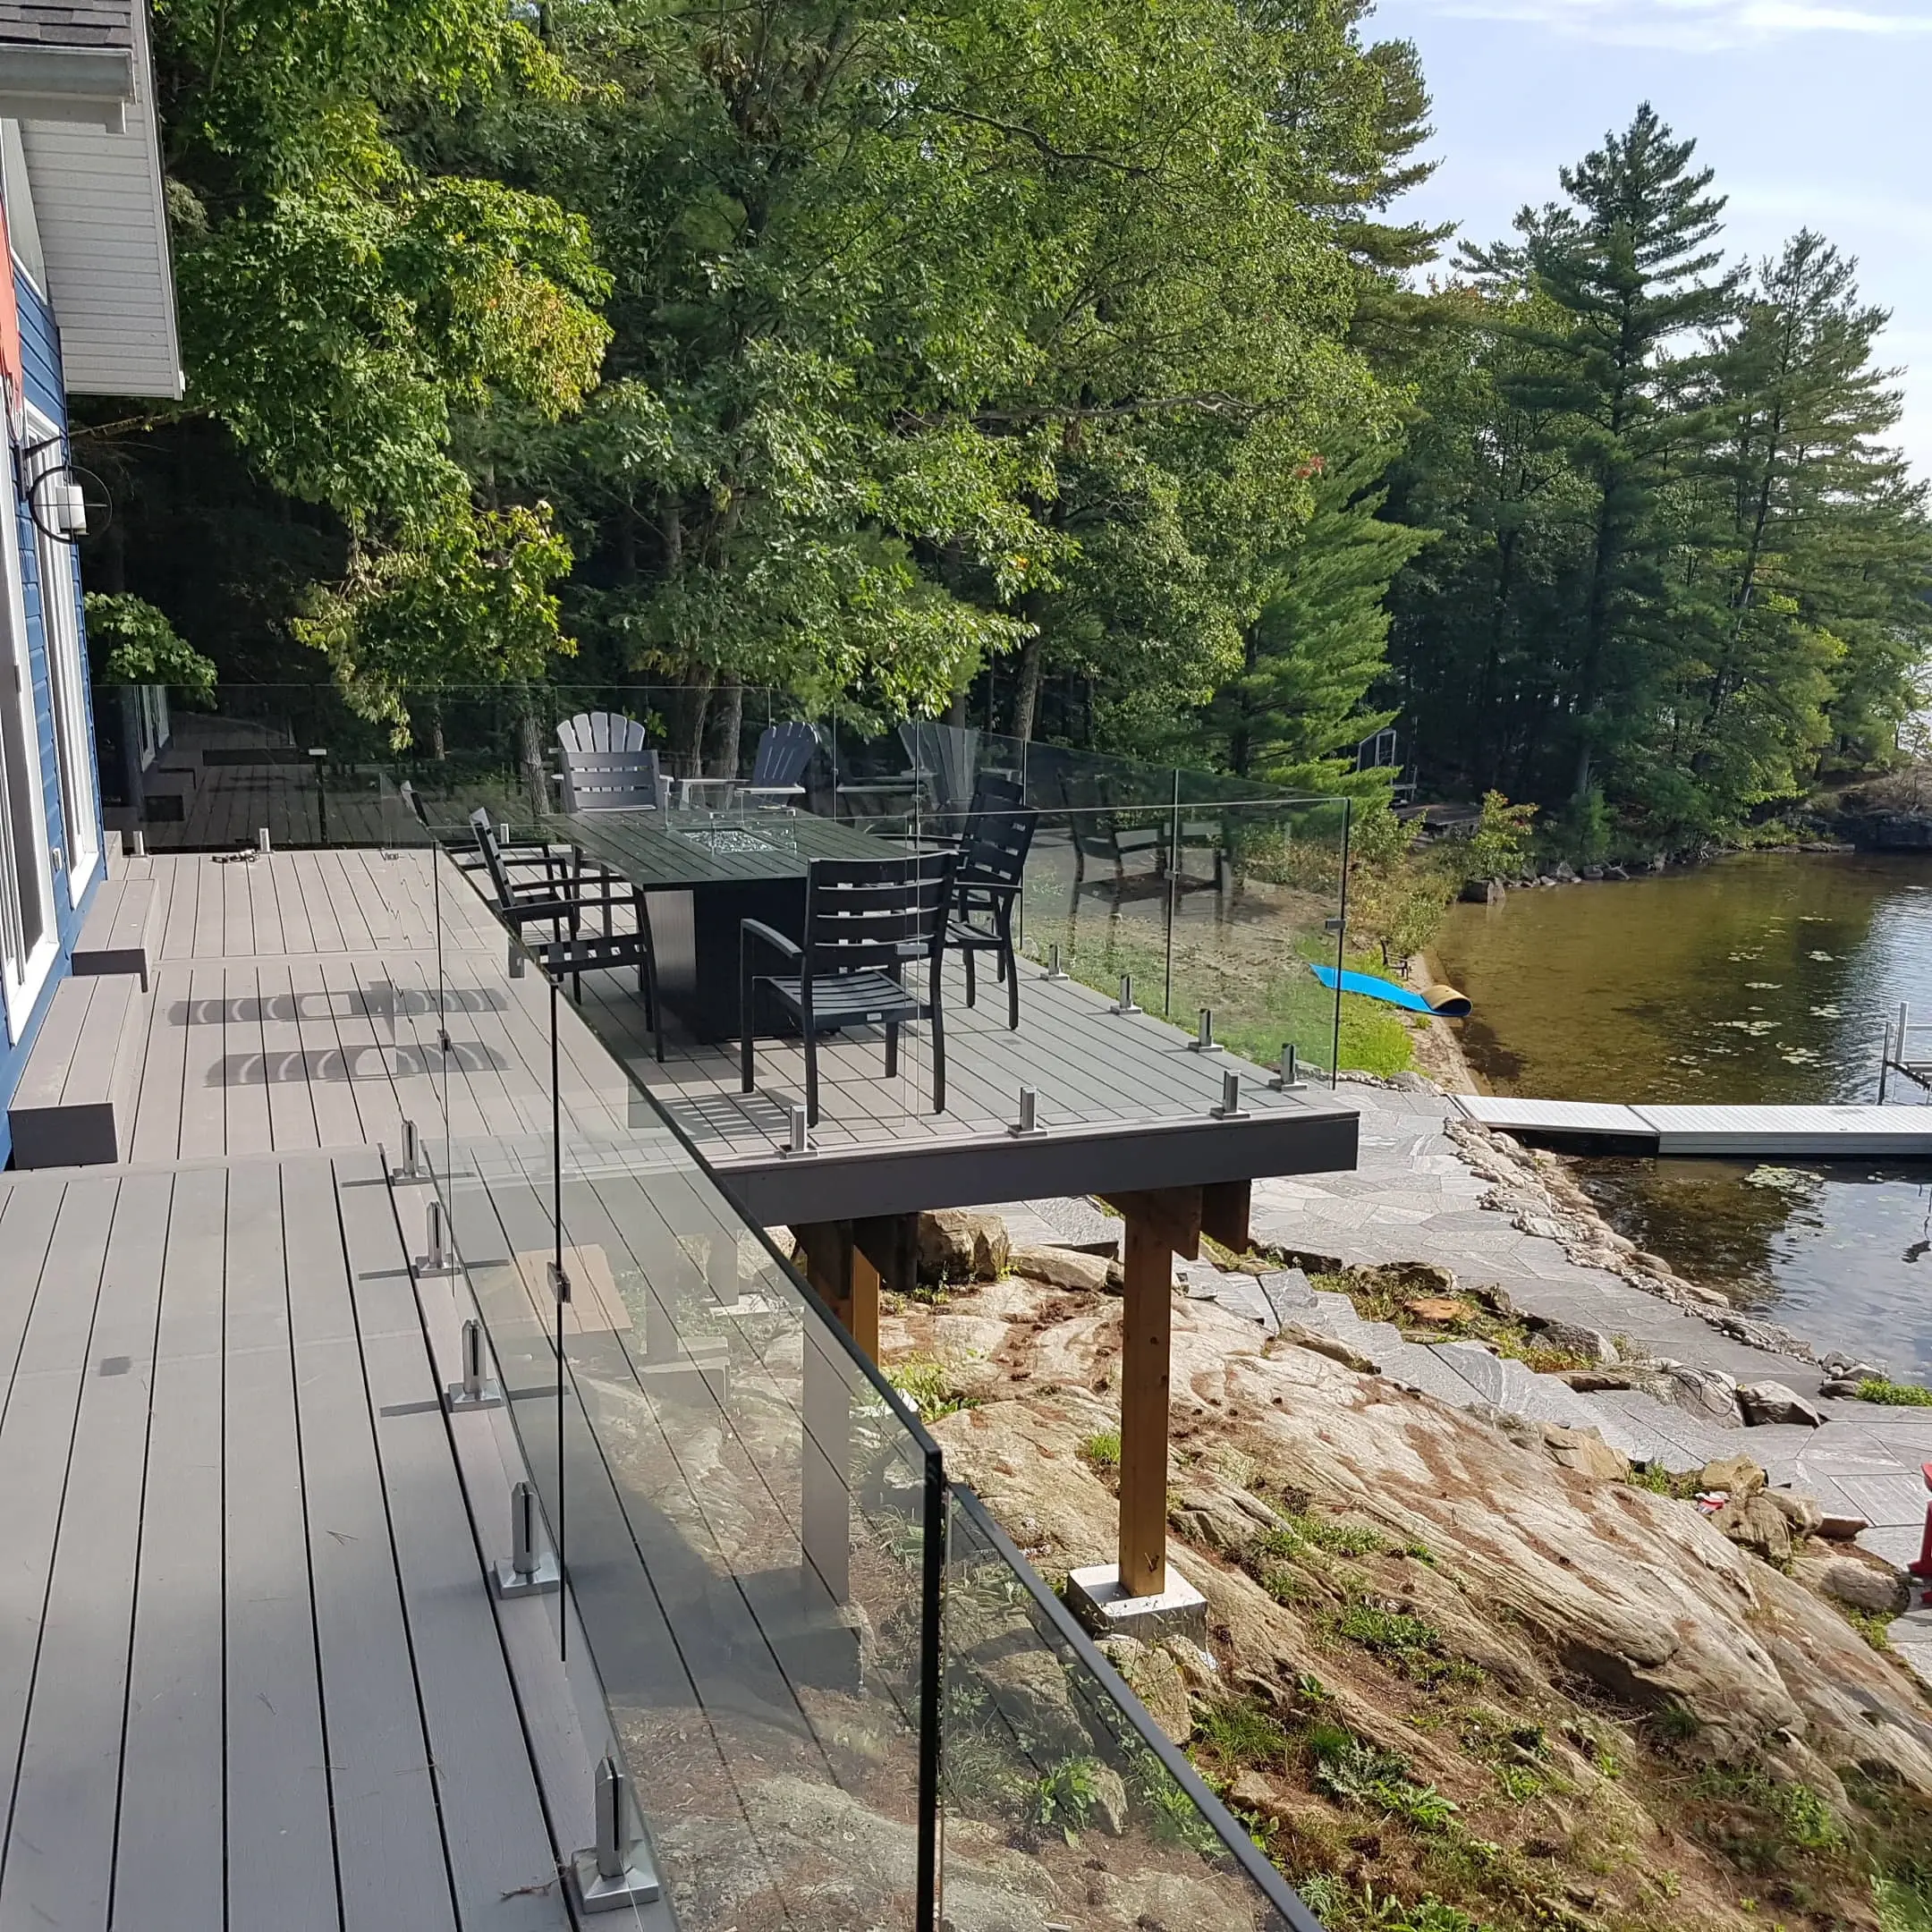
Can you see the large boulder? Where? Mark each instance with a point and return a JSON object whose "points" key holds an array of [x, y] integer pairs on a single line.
{"points": [[1865, 1582], [1539, 1575], [1585, 1452], [960, 1244], [1775, 1401], [1065, 1268]]}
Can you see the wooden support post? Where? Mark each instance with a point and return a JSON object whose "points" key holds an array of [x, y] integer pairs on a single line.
{"points": [[1161, 1222], [1146, 1327], [849, 1283]]}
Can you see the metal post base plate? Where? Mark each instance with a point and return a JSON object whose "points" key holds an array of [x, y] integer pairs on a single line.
{"points": [[424, 1269], [540, 1582], [457, 1399], [594, 1892]]}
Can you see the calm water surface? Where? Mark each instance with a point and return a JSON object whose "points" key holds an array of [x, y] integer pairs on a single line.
{"points": [[1765, 978]]}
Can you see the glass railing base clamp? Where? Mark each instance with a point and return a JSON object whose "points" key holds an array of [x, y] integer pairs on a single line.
{"points": [[530, 1569], [616, 1871]]}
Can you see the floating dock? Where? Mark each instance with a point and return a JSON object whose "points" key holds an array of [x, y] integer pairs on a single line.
{"points": [[1820, 1132]]}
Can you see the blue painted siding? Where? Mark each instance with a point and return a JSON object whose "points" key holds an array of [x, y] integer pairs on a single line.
{"points": [[40, 353]]}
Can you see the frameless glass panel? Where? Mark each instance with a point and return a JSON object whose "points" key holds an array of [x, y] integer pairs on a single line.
{"points": [[744, 1515], [1063, 1803], [1255, 898]]}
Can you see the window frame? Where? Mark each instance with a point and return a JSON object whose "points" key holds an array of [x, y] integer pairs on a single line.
{"points": [[66, 671]]}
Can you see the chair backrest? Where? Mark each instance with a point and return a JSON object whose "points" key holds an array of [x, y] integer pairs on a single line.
{"points": [[862, 914], [413, 799], [783, 751], [600, 730], [995, 849], [995, 792], [611, 781], [948, 753], [486, 838]]}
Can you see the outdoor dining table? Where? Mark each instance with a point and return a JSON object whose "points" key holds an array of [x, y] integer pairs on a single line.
{"points": [[706, 873]]}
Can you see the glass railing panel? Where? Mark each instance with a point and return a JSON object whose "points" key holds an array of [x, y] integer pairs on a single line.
{"points": [[1254, 907], [1062, 1802], [744, 1511], [1097, 898]]}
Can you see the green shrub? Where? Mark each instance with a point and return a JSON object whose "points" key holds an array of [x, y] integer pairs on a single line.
{"points": [[1895, 1394], [1063, 1798], [922, 1381]]}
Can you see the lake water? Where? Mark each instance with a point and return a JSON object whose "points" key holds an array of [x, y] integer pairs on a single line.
{"points": [[1763, 977]]}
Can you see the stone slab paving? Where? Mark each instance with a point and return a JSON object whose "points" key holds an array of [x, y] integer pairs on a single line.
{"points": [[1412, 1198]]}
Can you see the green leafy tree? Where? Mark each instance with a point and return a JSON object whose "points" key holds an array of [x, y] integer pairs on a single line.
{"points": [[346, 304], [130, 642]]}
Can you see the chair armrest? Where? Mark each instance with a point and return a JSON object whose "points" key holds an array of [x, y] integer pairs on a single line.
{"points": [[757, 930]]}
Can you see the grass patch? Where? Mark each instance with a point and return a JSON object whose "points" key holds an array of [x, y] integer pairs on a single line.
{"points": [[1875, 1626], [1762, 1823], [1383, 1294], [1895, 1395], [1063, 1800], [1243, 1733], [1659, 1481], [1341, 1907], [1102, 1448], [923, 1382], [1409, 1645]]}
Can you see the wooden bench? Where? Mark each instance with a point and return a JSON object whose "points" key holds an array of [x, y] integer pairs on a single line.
{"points": [[74, 1106], [122, 933]]}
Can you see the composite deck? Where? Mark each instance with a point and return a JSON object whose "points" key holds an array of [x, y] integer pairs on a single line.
{"points": [[248, 1673], [251, 1672]]}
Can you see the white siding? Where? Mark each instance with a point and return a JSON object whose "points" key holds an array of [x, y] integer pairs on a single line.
{"points": [[103, 234]]}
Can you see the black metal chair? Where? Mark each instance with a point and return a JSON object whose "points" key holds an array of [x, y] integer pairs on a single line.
{"points": [[865, 921], [560, 900], [986, 888]]}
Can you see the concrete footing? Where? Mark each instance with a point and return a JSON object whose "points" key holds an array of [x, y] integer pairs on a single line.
{"points": [[1095, 1597]]}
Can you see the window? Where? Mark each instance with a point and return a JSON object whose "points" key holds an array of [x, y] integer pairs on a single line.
{"points": [[60, 616]]}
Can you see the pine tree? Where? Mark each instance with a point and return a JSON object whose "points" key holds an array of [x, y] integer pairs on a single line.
{"points": [[1633, 262], [1315, 642]]}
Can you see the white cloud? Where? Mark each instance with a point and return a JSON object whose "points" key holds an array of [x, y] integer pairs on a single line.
{"points": [[1697, 26]]}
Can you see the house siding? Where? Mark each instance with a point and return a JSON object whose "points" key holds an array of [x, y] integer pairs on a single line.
{"points": [[41, 357]]}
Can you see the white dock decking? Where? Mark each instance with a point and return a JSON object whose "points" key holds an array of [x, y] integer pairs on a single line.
{"points": [[1817, 1132]]}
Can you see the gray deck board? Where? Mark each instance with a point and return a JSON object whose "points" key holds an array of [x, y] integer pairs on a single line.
{"points": [[170, 1853], [281, 1848], [59, 1860], [503, 1863], [388, 1846]]}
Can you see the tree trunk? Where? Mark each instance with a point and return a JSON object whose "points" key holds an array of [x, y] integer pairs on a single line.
{"points": [[530, 740], [688, 750], [1026, 689], [728, 730]]}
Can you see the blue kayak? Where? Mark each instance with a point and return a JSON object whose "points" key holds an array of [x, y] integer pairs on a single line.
{"points": [[1443, 1000]]}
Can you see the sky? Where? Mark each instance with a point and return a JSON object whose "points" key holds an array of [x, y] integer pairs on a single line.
{"points": [[1813, 113]]}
